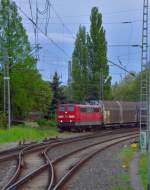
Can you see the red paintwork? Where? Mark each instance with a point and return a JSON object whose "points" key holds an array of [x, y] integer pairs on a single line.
{"points": [[77, 116]]}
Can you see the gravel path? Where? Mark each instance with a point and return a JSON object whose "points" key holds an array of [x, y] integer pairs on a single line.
{"points": [[134, 173], [103, 172]]}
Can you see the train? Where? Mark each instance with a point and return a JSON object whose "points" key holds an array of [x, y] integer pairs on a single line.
{"points": [[80, 117]]}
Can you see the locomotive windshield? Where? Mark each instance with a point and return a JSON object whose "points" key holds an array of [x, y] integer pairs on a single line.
{"points": [[71, 108], [62, 108]]}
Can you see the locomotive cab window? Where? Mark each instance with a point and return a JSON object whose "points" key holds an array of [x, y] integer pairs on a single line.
{"points": [[90, 110], [62, 108], [82, 109], [96, 109], [71, 108]]}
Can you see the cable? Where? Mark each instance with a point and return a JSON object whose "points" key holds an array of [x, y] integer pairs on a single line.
{"points": [[46, 8], [31, 9], [119, 66], [46, 12], [47, 17], [35, 30], [115, 12], [50, 39], [125, 45], [61, 20], [105, 23]]}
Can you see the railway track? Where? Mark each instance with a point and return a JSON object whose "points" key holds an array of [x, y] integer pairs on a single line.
{"points": [[42, 170], [14, 158], [14, 152], [63, 170]]}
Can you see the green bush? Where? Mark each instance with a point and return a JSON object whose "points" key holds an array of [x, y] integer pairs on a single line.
{"points": [[53, 123], [46, 123], [3, 122]]}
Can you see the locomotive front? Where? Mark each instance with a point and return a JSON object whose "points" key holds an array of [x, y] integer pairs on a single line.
{"points": [[66, 116]]}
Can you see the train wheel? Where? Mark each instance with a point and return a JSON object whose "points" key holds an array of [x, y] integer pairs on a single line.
{"points": [[73, 129]]}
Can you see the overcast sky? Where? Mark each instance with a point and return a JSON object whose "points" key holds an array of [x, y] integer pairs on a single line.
{"points": [[65, 18]]}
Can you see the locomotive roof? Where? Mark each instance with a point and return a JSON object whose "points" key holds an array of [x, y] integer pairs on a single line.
{"points": [[82, 105], [106, 103]]}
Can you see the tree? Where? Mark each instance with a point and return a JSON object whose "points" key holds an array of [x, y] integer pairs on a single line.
{"points": [[28, 91], [15, 39], [80, 66], [128, 89], [58, 93], [89, 62], [98, 66]]}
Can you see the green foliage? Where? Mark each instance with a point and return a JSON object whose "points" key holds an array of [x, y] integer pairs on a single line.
{"points": [[3, 122], [89, 61], [98, 56], [16, 134], [126, 155], [122, 188], [80, 66], [1, 94], [128, 89], [46, 123], [28, 91], [143, 169], [53, 123], [15, 40], [58, 92], [122, 180]]}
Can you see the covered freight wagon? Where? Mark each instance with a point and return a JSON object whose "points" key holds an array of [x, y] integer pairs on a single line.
{"points": [[119, 113]]}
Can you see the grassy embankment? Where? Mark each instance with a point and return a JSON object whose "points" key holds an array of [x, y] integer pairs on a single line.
{"points": [[143, 165], [26, 132], [143, 169], [126, 155]]}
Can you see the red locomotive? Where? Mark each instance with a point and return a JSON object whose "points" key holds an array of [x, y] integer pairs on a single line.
{"points": [[78, 117], [107, 113]]}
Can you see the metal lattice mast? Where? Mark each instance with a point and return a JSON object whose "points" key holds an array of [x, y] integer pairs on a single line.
{"points": [[144, 77], [101, 85], [7, 106], [69, 73]]}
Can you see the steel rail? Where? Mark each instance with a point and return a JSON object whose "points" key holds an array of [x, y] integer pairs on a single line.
{"points": [[24, 151], [78, 164], [14, 152], [36, 172], [37, 147], [61, 158]]}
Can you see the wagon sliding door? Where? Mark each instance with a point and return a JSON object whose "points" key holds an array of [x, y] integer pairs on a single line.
{"points": [[112, 113]]}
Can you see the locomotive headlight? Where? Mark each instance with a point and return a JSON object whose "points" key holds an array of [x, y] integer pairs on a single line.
{"points": [[60, 116], [60, 121], [70, 121], [72, 116]]}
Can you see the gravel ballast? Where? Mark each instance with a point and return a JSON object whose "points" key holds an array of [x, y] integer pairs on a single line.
{"points": [[7, 170], [102, 172], [66, 148]]}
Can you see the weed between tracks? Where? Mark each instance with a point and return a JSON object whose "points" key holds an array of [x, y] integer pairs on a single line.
{"points": [[125, 156], [25, 132], [143, 169]]}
